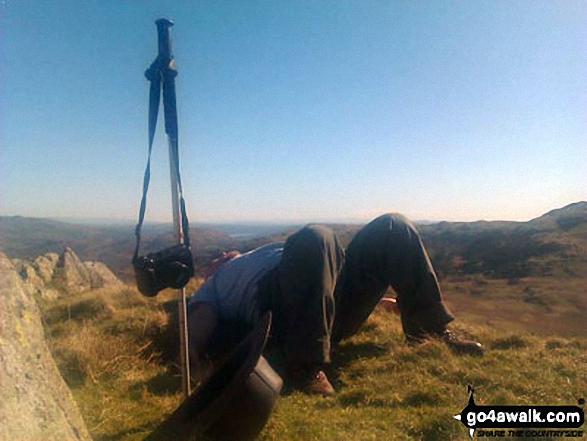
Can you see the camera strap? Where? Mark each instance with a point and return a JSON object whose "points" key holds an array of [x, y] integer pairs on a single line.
{"points": [[155, 74]]}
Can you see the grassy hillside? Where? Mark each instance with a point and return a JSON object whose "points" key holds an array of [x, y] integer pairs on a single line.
{"points": [[519, 288], [113, 350]]}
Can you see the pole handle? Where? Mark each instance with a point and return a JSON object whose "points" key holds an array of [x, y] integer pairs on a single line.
{"points": [[164, 38]]}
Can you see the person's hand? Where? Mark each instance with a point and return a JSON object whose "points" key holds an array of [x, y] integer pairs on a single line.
{"points": [[218, 262], [389, 304]]}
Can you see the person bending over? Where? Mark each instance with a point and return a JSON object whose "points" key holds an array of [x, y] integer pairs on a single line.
{"points": [[319, 294]]}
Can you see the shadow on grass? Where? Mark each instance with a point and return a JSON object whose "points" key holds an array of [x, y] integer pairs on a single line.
{"points": [[344, 354], [167, 383]]}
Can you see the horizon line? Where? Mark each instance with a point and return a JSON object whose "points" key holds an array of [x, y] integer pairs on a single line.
{"points": [[284, 222]]}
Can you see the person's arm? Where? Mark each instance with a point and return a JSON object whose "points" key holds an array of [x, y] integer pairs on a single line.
{"points": [[202, 324], [218, 262]]}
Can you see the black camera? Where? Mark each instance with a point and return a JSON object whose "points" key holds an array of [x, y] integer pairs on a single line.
{"points": [[170, 268]]}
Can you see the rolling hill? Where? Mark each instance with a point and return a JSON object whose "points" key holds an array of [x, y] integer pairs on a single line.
{"points": [[554, 244], [25, 238]]}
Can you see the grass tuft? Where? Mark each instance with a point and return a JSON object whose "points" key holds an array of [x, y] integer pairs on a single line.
{"points": [[511, 342]]}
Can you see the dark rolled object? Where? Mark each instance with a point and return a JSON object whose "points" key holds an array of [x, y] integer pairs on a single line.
{"points": [[234, 404]]}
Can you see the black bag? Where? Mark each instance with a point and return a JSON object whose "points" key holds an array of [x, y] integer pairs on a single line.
{"points": [[172, 267]]}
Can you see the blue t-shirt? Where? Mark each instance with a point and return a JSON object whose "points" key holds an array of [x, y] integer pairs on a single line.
{"points": [[232, 290]]}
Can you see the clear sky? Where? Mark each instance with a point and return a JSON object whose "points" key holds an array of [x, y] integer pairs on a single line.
{"points": [[299, 110]]}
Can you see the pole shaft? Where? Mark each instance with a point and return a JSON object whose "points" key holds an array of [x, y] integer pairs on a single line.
{"points": [[165, 58], [181, 294]]}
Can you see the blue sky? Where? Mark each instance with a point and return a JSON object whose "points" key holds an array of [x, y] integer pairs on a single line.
{"points": [[297, 111]]}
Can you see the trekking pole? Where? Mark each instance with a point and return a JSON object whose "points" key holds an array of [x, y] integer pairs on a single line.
{"points": [[168, 74]]}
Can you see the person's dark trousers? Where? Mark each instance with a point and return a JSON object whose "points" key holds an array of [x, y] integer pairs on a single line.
{"points": [[318, 295], [389, 251], [301, 295]]}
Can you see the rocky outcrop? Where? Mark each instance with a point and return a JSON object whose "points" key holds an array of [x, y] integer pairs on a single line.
{"points": [[29, 274], [74, 276], [45, 266], [51, 273], [36, 403], [77, 276], [100, 276]]}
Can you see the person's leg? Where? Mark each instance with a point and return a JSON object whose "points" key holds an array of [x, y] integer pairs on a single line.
{"points": [[389, 251], [303, 304], [304, 307]]}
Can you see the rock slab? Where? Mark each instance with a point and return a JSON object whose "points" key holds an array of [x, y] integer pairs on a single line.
{"points": [[36, 403], [51, 275]]}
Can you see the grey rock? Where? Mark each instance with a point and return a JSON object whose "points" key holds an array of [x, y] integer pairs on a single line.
{"points": [[30, 276], [17, 263], [75, 276], [36, 403], [45, 265], [101, 276], [38, 273], [50, 273]]}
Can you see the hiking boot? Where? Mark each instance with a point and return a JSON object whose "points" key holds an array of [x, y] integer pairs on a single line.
{"points": [[319, 385], [310, 379], [460, 345]]}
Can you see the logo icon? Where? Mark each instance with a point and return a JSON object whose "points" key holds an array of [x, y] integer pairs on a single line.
{"points": [[518, 417]]}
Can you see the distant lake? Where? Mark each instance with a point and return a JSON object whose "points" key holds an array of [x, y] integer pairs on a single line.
{"points": [[246, 230], [243, 235]]}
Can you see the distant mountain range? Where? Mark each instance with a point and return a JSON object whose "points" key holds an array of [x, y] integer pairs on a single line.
{"points": [[554, 244], [25, 238]]}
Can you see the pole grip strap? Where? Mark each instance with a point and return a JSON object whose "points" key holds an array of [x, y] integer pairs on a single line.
{"points": [[156, 76]]}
